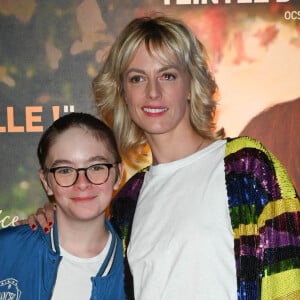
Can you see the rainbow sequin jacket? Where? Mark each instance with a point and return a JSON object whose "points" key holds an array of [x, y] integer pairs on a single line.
{"points": [[264, 210]]}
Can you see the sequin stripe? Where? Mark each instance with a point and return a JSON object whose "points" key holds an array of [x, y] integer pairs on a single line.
{"points": [[245, 230], [272, 238], [243, 214], [289, 222], [246, 199], [247, 242], [249, 246], [285, 258], [123, 207], [254, 167], [132, 187], [237, 144], [278, 207], [291, 296], [248, 290], [284, 285], [246, 189], [249, 273], [280, 231], [124, 230], [285, 183], [122, 212], [264, 246]]}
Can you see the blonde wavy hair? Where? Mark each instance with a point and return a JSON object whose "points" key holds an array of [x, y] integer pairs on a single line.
{"points": [[158, 33]]}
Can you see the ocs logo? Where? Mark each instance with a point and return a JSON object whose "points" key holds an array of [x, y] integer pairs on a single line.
{"points": [[292, 15]]}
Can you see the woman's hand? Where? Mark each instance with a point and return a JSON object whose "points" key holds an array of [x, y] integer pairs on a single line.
{"points": [[44, 216]]}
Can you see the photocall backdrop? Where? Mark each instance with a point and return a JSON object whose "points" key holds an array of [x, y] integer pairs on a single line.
{"points": [[51, 50]]}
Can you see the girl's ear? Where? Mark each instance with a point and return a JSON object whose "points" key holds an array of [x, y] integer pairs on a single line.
{"points": [[45, 183], [118, 180]]}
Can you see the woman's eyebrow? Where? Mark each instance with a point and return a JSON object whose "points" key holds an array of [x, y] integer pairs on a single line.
{"points": [[135, 70], [162, 69]]}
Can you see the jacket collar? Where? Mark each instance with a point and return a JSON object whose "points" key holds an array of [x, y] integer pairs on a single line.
{"points": [[52, 240]]}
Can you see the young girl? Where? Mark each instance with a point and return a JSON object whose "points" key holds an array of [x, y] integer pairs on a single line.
{"points": [[82, 256]]}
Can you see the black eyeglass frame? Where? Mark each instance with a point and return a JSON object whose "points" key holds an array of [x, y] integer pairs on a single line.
{"points": [[108, 165]]}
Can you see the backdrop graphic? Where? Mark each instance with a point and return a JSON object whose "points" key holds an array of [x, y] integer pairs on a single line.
{"points": [[51, 50]]}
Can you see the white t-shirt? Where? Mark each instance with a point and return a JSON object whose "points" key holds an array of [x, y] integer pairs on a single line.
{"points": [[74, 275], [182, 244]]}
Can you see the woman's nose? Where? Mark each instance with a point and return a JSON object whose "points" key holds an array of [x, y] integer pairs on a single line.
{"points": [[154, 89]]}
